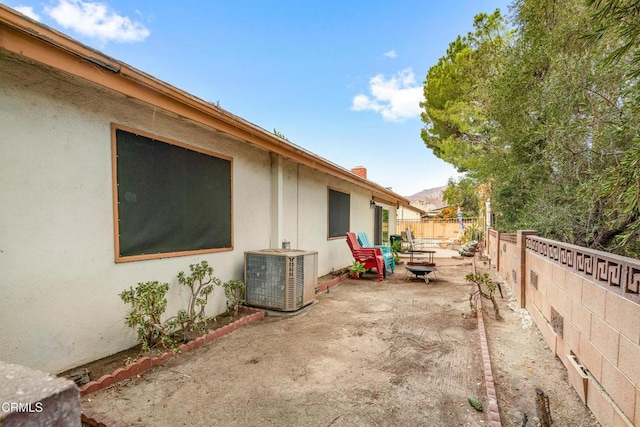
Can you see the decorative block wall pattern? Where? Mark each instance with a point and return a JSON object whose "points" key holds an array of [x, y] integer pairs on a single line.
{"points": [[617, 274], [586, 303]]}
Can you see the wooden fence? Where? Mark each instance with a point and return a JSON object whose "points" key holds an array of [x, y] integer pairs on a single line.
{"points": [[438, 228]]}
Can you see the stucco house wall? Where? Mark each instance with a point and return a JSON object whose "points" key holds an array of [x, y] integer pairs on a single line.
{"points": [[60, 300], [60, 284], [305, 214], [409, 213]]}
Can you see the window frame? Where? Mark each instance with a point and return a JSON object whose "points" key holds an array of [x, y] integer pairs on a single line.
{"points": [[116, 214], [329, 211]]}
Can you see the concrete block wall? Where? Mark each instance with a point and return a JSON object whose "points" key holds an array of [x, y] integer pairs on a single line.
{"points": [[493, 246], [581, 309], [598, 328], [509, 265], [505, 252], [33, 398]]}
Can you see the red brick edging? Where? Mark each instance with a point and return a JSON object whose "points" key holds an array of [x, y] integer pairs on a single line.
{"points": [[324, 287], [492, 397], [494, 410], [143, 364]]}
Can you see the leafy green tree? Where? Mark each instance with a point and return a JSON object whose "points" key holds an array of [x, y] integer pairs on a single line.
{"points": [[565, 134], [463, 193], [620, 186], [623, 18], [544, 117], [455, 94]]}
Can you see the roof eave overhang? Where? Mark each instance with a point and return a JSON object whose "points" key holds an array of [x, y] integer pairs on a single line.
{"points": [[41, 44]]}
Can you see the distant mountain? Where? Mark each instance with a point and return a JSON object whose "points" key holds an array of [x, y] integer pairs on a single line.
{"points": [[429, 199]]}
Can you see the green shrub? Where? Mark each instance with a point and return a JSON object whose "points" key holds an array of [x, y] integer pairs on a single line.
{"points": [[200, 283], [356, 269], [148, 304], [234, 290]]}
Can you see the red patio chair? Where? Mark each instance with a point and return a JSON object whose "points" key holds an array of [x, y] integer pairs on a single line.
{"points": [[371, 257]]}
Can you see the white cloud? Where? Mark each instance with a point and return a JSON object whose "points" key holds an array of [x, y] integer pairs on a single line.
{"points": [[95, 20], [28, 11], [396, 99], [390, 54]]}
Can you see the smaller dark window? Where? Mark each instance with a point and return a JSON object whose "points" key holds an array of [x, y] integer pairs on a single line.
{"points": [[339, 212]]}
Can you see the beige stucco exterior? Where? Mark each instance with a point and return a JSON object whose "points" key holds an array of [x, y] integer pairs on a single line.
{"points": [[409, 213], [60, 283]]}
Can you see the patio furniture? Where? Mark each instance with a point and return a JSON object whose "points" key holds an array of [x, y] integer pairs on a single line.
{"points": [[412, 243], [421, 271], [413, 251], [371, 257], [428, 254], [389, 262]]}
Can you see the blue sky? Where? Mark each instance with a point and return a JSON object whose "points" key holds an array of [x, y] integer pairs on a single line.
{"points": [[341, 79]]}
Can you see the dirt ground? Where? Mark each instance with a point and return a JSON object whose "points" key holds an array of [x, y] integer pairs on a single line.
{"points": [[394, 353]]}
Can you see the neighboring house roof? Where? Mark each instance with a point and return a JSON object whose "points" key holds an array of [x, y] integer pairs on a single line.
{"points": [[37, 42], [415, 209], [434, 212]]}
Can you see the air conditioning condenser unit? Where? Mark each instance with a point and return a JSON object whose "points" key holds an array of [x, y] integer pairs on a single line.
{"points": [[280, 279]]}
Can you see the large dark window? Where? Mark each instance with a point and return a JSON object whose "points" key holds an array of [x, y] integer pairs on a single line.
{"points": [[171, 200], [339, 213]]}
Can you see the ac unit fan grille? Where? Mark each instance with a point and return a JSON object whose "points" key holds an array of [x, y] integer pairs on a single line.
{"points": [[275, 281]]}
